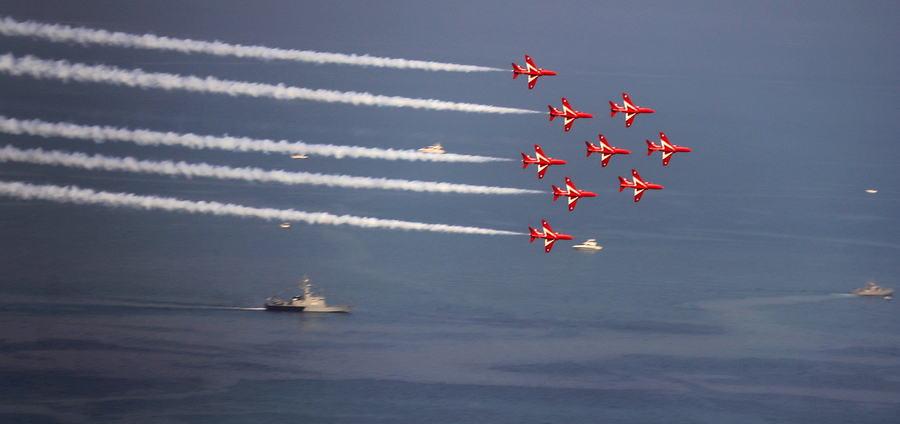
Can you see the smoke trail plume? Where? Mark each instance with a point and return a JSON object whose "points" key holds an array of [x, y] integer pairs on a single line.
{"points": [[72, 194], [105, 163], [67, 34], [240, 144], [66, 71]]}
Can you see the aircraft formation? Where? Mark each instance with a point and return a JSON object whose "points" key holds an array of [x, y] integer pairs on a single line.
{"points": [[605, 150]]}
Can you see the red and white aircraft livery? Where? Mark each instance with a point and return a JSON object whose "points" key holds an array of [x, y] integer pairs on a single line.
{"points": [[541, 160], [665, 147], [570, 114], [532, 71], [605, 150], [571, 192], [548, 235], [639, 185], [630, 110]]}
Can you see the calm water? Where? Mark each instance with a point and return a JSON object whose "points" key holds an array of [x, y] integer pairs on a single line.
{"points": [[721, 299], [581, 338]]}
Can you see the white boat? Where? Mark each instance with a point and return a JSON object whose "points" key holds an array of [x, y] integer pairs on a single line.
{"points": [[434, 148], [590, 245], [872, 290], [304, 302]]}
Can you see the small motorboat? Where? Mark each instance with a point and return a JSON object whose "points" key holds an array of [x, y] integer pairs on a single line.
{"points": [[873, 290], [434, 148], [590, 246]]}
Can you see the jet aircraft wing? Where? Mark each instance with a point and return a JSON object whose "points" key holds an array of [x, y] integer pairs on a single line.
{"points": [[666, 157], [548, 244], [605, 161], [638, 192], [629, 117]]}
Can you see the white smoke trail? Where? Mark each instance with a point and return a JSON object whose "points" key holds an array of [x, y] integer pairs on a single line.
{"points": [[67, 34], [101, 162], [72, 194], [241, 144], [66, 71]]}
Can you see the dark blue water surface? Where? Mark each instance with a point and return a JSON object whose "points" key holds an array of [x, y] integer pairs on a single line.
{"points": [[723, 298]]}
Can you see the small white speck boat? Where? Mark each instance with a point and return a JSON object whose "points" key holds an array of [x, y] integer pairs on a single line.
{"points": [[590, 246]]}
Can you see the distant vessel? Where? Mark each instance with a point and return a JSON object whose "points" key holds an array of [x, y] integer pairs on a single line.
{"points": [[872, 290], [434, 148], [305, 302], [590, 245]]}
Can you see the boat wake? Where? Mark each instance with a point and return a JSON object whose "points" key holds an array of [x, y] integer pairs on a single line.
{"points": [[133, 304]]}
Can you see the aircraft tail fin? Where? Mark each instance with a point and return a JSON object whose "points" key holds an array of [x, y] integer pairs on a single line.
{"points": [[651, 146], [612, 108], [517, 70], [589, 146], [553, 111], [534, 234], [525, 160], [622, 183], [556, 192]]}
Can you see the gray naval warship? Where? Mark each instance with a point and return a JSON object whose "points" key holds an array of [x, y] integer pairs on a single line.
{"points": [[304, 302]]}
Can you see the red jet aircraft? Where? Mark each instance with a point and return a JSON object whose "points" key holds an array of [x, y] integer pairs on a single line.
{"points": [[639, 185], [571, 192], [532, 71], [605, 150], [548, 235], [570, 114], [542, 161], [630, 110], [666, 147]]}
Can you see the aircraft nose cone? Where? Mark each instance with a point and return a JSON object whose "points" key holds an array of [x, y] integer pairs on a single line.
{"points": [[649, 110], [587, 115], [625, 152], [549, 73], [687, 149]]}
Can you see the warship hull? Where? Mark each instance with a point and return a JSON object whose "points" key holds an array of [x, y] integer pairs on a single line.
{"points": [[283, 307], [328, 309]]}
